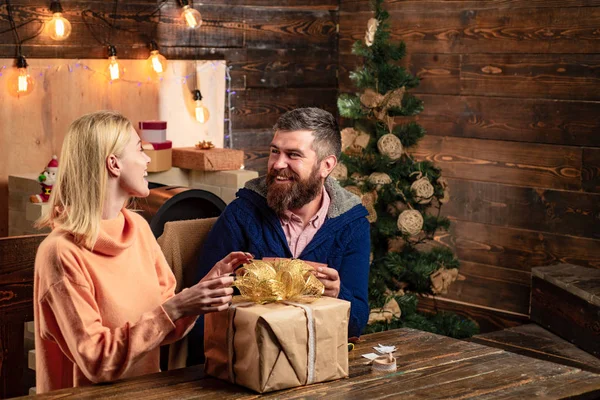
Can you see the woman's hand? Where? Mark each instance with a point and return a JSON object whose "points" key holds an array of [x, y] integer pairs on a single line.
{"points": [[213, 293], [228, 264]]}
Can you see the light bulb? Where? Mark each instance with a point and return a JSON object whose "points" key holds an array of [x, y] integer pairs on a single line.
{"points": [[202, 113], [157, 63], [20, 83], [59, 27], [192, 17], [115, 72]]}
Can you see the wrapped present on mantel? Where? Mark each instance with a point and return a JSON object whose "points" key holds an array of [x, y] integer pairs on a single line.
{"points": [[208, 159], [280, 333], [155, 145]]}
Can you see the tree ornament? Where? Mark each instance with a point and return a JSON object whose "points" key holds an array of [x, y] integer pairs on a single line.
{"points": [[47, 179], [410, 222], [359, 179], [389, 145], [422, 188], [354, 141], [379, 179], [368, 200], [372, 26], [444, 185], [340, 172], [442, 279], [371, 99], [389, 311]]}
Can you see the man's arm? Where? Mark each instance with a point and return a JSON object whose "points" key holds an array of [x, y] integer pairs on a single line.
{"points": [[354, 276]]}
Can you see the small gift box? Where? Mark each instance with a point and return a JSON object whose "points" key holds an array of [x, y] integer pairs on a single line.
{"points": [[161, 155], [153, 131], [285, 337]]}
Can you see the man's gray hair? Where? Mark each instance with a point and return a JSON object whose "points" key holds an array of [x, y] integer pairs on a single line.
{"points": [[326, 132]]}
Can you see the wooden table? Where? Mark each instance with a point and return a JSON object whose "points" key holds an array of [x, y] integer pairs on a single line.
{"points": [[429, 367]]}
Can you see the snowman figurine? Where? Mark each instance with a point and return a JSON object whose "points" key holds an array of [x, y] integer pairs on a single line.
{"points": [[46, 179]]}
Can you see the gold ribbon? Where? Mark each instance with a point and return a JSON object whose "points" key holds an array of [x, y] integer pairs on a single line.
{"points": [[282, 279]]}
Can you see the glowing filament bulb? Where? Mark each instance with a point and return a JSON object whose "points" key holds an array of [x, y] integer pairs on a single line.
{"points": [[192, 17], [113, 68], [59, 27], [157, 66], [22, 84], [202, 113]]}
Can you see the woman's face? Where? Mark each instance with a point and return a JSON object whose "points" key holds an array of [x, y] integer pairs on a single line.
{"points": [[135, 162]]}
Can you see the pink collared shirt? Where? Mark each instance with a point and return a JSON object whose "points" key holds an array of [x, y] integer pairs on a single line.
{"points": [[298, 237]]}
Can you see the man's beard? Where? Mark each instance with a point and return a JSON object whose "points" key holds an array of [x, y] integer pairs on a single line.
{"points": [[294, 194]]}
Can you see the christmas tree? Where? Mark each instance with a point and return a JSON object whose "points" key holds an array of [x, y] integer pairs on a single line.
{"points": [[403, 196]]}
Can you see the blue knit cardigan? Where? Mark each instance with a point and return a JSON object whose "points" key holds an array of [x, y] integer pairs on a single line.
{"points": [[342, 242]]}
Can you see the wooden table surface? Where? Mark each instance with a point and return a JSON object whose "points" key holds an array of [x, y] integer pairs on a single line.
{"points": [[429, 367]]}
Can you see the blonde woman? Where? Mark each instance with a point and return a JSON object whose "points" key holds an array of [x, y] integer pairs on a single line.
{"points": [[103, 293]]}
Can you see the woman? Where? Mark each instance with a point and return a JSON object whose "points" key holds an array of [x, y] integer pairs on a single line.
{"points": [[104, 297]]}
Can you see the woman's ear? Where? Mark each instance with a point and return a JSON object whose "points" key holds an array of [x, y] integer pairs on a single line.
{"points": [[113, 166]]}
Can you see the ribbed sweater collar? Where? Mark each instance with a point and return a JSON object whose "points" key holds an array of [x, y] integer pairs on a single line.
{"points": [[116, 234]]}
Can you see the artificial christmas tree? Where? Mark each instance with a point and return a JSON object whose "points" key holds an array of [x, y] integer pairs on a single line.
{"points": [[403, 196]]}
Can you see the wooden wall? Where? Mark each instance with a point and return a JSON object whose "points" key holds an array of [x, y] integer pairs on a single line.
{"points": [[282, 57], [511, 91]]}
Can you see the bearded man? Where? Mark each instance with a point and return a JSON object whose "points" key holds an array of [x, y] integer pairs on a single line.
{"points": [[298, 211]]}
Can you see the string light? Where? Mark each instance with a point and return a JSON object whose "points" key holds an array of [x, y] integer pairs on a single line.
{"points": [[59, 27], [157, 63], [202, 113], [191, 16], [21, 83], [115, 72]]}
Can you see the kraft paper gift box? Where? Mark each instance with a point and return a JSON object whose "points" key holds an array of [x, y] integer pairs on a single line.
{"points": [[161, 155], [278, 345]]}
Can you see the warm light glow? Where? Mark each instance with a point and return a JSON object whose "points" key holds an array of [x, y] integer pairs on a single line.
{"points": [[157, 63], [20, 83], [202, 113], [59, 27], [113, 68], [192, 17]]}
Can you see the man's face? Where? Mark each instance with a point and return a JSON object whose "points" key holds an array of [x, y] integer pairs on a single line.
{"points": [[295, 177]]}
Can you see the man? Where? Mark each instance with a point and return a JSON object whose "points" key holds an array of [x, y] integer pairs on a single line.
{"points": [[298, 211]]}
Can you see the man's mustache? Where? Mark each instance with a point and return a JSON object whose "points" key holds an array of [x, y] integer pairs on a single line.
{"points": [[283, 173]]}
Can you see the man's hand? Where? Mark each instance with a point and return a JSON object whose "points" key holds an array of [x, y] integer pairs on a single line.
{"points": [[330, 279]]}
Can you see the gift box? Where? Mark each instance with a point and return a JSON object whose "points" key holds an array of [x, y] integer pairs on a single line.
{"points": [[280, 333], [161, 155], [153, 131], [278, 345]]}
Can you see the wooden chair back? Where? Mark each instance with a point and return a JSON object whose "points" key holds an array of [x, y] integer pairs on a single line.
{"points": [[17, 257]]}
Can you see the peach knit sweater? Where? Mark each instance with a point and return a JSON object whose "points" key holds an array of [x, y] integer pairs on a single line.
{"points": [[98, 313]]}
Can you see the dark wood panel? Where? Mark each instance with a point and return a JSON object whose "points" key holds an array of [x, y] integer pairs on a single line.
{"points": [[558, 212], [260, 108], [524, 164], [517, 249], [566, 76], [490, 286], [523, 120], [533, 341], [591, 170], [489, 320], [256, 159], [439, 73], [565, 314], [418, 5], [253, 138], [470, 30]]}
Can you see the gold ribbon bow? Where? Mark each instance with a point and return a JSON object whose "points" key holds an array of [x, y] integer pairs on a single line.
{"points": [[380, 104], [283, 279]]}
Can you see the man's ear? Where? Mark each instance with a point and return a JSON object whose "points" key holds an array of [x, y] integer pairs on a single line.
{"points": [[327, 165], [113, 166]]}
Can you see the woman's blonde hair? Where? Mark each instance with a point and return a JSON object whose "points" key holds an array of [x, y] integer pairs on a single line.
{"points": [[78, 195]]}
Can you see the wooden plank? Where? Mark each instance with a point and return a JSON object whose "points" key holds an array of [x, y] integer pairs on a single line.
{"points": [[12, 362], [432, 29], [253, 138], [573, 123], [565, 314], [537, 165], [559, 212], [591, 170], [566, 76], [260, 108], [439, 73], [580, 281], [517, 249], [488, 319], [256, 160], [418, 5], [490, 286], [533, 341]]}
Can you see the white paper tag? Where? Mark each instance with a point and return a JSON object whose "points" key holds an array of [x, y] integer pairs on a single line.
{"points": [[385, 349], [370, 356]]}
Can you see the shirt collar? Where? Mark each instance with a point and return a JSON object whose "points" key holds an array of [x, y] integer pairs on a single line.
{"points": [[317, 220]]}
